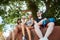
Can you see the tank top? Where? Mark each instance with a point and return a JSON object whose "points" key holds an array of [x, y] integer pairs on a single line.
{"points": [[29, 22]]}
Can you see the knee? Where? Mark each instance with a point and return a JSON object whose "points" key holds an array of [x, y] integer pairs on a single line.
{"points": [[51, 24], [27, 28], [51, 21]]}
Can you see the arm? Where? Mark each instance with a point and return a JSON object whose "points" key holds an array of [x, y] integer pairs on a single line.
{"points": [[23, 29], [14, 33]]}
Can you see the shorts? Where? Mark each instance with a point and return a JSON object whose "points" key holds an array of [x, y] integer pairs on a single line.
{"points": [[45, 22]]}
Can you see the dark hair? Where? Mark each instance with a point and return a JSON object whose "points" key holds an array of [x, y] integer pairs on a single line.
{"points": [[41, 11], [18, 20]]}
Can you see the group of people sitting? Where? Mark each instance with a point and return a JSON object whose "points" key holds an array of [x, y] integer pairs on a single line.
{"points": [[36, 24]]}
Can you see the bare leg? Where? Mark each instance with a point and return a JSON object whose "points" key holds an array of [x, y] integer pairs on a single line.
{"points": [[23, 29], [29, 33], [38, 31], [49, 29], [14, 35]]}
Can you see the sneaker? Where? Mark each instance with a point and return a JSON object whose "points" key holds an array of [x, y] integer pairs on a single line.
{"points": [[41, 39], [23, 38], [44, 38]]}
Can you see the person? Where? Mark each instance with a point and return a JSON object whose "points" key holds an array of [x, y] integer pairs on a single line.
{"points": [[30, 21], [23, 21], [29, 25], [17, 29], [26, 25], [43, 21]]}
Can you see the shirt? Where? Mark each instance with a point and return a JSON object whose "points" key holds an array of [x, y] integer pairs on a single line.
{"points": [[29, 22]]}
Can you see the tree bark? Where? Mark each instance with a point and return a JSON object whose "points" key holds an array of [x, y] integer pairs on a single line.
{"points": [[47, 3], [33, 7]]}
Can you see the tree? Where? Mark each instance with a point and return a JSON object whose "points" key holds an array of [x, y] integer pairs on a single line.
{"points": [[52, 7]]}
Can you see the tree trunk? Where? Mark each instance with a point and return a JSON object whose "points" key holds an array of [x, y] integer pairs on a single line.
{"points": [[47, 3], [33, 7]]}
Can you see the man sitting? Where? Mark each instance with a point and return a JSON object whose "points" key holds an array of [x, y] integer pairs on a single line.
{"points": [[45, 22]]}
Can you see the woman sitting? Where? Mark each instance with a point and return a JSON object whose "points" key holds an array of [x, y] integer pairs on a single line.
{"points": [[45, 22], [17, 30]]}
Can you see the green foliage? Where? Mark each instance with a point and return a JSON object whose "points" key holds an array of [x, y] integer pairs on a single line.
{"points": [[1, 27], [15, 11], [12, 12], [2, 12]]}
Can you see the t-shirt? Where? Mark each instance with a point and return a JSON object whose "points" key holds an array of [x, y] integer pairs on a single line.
{"points": [[43, 23], [37, 20]]}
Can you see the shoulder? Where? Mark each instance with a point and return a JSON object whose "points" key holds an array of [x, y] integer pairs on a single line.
{"points": [[16, 26]]}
